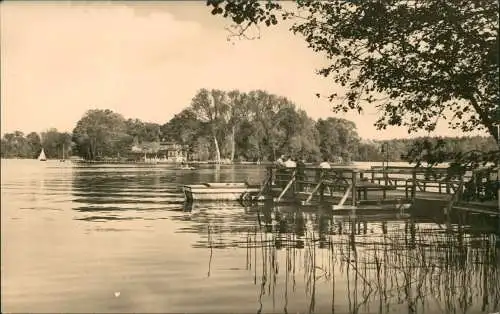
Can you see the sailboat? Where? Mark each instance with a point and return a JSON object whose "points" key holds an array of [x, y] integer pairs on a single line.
{"points": [[42, 156]]}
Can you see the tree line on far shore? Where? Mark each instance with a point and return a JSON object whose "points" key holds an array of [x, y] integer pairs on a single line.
{"points": [[19, 145], [220, 125]]}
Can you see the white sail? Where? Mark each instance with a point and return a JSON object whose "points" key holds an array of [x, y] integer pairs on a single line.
{"points": [[42, 156]]}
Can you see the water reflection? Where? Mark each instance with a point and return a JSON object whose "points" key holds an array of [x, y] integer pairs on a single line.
{"points": [[106, 195], [101, 189], [126, 229], [369, 264]]}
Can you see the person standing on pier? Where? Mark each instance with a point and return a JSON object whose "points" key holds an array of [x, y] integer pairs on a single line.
{"points": [[322, 174], [290, 163], [281, 161], [280, 171], [325, 164]]}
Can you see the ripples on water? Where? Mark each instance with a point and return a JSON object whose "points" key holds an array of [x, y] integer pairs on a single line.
{"points": [[120, 239]]}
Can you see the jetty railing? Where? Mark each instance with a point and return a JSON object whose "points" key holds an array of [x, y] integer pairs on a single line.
{"points": [[418, 179], [311, 181], [355, 183]]}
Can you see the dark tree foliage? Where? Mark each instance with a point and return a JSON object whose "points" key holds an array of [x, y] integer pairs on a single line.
{"points": [[416, 61], [101, 133], [264, 131], [184, 129], [433, 151], [55, 144], [338, 137]]}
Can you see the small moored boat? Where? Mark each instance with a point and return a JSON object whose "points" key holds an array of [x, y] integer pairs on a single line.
{"points": [[230, 191]]}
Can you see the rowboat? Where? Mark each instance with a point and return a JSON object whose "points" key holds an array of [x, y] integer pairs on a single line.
{"points": [[229, 191], [381, 206]]}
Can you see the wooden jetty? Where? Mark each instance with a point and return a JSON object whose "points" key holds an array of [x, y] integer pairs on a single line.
{"points": [[377, 188]]}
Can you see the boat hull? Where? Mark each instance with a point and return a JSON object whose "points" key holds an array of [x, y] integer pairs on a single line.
{"points": [[218, 191], [401, 207]]}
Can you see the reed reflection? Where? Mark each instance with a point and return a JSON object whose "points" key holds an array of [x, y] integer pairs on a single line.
{"points": [[299, 257]]}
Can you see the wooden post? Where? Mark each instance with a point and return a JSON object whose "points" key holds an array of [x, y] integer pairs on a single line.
{"points": [[474, 180], [414, 183], [361, 177], [386, 177], [406, 189], [354, 187], [270, 181], [498, 190], [386, 182]]}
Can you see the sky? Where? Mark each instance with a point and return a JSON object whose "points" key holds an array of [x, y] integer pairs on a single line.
{"points": [[147, 61]]}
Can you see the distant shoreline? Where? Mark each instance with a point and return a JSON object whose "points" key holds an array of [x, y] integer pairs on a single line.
{"points": [[197, 162]]}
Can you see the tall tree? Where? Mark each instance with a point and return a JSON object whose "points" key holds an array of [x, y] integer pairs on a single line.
{"points": [[135, 128], [65, 144], [304, 138], [237, 109], [338, 137], [143, 131], [101, 133], [211, 108], [183, 129], [15, 145], [248, 142], [274, 117], [35, 143], [416, 61], [151, 132], [55, 144]]}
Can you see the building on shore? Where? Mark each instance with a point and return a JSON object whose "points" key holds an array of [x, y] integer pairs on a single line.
{"points": [[173, 152], [159, 152]]}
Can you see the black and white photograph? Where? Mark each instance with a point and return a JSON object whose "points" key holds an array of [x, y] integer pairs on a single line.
{"points": [[244, 156]]}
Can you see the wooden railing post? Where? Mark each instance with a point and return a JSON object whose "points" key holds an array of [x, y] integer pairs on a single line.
{"points": [[387, 182], [474, 181], [354, 187], [386, 176], [448, 179], [270, 181], [413, 183]]}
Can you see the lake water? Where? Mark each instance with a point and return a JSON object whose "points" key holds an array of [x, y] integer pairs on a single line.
{"points": [[120, 239]]}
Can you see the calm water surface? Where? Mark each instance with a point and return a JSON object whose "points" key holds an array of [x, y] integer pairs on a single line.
{"points": [[120, 239]]}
